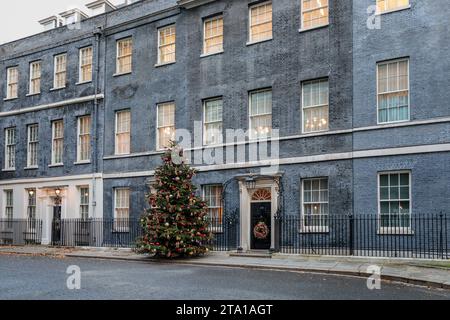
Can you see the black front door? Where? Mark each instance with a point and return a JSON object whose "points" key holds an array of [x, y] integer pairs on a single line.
{"points": [[261, 225], [56, 226]]}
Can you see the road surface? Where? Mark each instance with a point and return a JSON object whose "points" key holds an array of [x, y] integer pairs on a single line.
{"points": [[25, 277]]}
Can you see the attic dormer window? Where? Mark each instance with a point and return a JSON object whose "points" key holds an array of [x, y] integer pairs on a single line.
{"points": [[73, 16], [99, 7]]}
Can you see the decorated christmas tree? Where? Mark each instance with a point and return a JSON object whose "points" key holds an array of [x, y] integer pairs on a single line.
{"points": [[176, 223]]}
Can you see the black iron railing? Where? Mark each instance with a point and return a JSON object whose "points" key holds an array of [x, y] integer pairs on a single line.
{"points": [[114, 233], [225, 233], [401, 236], [123, 233], [405, 236], [20, 231]]}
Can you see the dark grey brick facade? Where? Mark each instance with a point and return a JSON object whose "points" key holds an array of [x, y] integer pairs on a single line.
{"points": [[345, 51]]}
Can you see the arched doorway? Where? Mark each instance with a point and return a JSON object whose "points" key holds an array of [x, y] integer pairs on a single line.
{"points": [[259, 198]]}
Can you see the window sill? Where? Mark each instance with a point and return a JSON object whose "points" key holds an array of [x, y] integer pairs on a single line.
{"points": [[83, 82], [31, 168], [314, 28], [10, 99], [56, 89], [250, 43], [395, 232], [9, 170], [378, 13], [82, 162], [121, 74], [263, 139], [32, 94], [205, 55], [164, 64], [56, 165], [310, 230], [314, 132], [392, 122], [120, 155]]}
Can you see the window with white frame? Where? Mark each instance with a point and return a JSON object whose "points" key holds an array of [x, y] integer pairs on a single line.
{"points": [[166, 125], [60, 75], [260, 22], [314, 13], [84, 202], [10, 148], [213, 126], [85, 72], [260, 114], [166, 44], [315, 212], [35, 77], [213, 35], [395, 201], [393, 91], [12, 83], [84, 139], [9, 205], [31, 209], [121, 209], [315, 105], [32, 145], [57, 142], [124, 56], [212, 195], [123, 132], [391, 5]]}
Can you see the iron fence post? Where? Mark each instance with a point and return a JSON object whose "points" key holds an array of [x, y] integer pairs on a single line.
{"points": [[351, 235], [441, 235], [277, 234]]}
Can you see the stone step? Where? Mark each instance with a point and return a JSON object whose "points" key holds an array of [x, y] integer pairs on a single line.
{"points": [[252, 254]]}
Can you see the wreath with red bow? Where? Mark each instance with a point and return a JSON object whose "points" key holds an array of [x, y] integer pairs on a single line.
{"points": [[261, 231]]}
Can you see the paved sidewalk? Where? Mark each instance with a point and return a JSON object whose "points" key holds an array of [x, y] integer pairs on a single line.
{"points": [[431, 273]]}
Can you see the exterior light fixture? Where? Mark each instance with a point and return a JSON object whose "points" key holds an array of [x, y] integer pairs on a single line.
{"points": [[250, 183], [58, 192], [31, 192]]}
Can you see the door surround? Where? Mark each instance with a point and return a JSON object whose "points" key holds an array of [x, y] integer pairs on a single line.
{"points": [[245, 194]]}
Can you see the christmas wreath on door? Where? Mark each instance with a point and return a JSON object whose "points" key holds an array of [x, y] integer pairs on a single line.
{"points": [[261, 231]]}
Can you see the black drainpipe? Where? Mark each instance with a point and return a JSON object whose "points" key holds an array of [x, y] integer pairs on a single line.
{"points": [[98, 33]]}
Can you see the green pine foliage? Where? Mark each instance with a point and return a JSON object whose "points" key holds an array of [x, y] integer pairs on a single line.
{"points": [[176, 223]]}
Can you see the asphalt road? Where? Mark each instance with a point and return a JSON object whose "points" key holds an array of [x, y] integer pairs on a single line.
{"points": [[24, 277]]}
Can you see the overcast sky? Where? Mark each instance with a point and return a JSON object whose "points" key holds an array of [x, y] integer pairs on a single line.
{"points": [[19, 18]]}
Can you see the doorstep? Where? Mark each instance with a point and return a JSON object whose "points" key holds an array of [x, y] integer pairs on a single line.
{"points": [[252, 254]]}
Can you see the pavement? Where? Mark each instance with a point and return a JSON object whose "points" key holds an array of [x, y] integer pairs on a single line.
{"points": [[430, 273]]}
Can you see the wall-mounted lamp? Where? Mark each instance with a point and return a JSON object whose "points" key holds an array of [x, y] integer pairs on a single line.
{"points": [[31, 192], [250, 183], [58, 192]]}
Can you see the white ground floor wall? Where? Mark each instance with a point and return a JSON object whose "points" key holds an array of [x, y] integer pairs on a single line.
{"points": [[45, 189]]}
